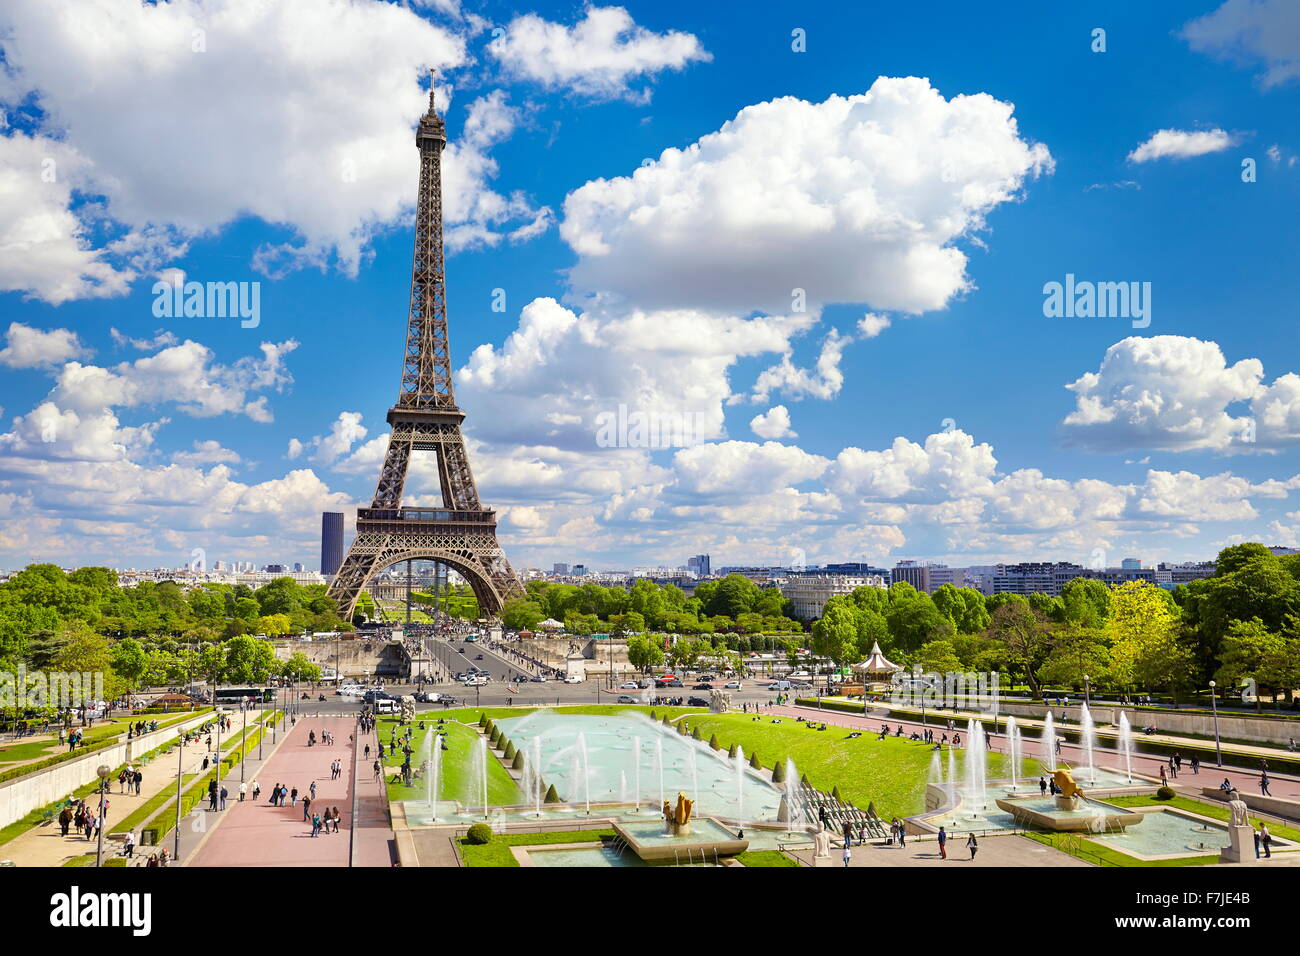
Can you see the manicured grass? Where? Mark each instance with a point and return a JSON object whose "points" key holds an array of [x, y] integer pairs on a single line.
{"points": [[1215, 811], [890, 773], [103, 730], [458, 781], [1098, 854], [765, 858], [497, 853]]}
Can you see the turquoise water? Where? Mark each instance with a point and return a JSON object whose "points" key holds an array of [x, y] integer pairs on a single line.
{"points": [[1167, 832], [612, 766]]}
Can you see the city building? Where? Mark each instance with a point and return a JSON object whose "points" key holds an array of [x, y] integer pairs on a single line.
{"points": [[808, 593], [698, 565], [858, 568], [559, 568], [1131, 564], [331, 542], [914, 573]]}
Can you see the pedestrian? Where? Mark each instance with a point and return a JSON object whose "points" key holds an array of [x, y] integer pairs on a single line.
{"points": [[293, 797], [257, 791], [378, 770], [1042, 785], [306, 807], [224, 794], [1196, 764], [1263, 784], [243, 790], [848, 834], [315, 825], [337, 816], [275, 794], [848, 853], [972, 844], [1266, 838], [313, 789], [943, 843]]}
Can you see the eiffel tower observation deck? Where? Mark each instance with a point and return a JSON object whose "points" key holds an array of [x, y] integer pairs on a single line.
{"points": [[461, 533]]}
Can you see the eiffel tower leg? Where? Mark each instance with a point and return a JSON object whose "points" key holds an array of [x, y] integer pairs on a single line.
{"points": [[357, 569]]}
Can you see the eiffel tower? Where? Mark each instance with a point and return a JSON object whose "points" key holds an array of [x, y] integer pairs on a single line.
{"points": [[461, 533]]}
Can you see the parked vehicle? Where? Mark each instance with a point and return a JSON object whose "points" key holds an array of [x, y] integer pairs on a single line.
{"points": [[573, 679], [624, 699], [779, 685], [629, 685], [733, 685], [702, 686], [697, 702]]}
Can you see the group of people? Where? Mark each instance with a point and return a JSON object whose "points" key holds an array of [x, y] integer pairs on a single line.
{"points": [[326, 738], [972, 844], [83, 818], [129, 780]]}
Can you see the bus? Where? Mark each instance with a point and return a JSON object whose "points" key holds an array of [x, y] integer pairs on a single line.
{"points": [[234, 695]]}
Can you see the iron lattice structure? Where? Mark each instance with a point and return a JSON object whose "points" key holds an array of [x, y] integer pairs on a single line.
{"points": [[461, 533]]}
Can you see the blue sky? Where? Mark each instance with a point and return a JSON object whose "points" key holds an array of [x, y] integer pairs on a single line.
{"points": [[916, 408]]}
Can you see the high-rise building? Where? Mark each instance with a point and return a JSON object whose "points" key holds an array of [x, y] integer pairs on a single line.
{"points": [[298, 568], [559, 568], [914, 573], [1131, 564], [698, 565], [579, 570], [331, 542]]}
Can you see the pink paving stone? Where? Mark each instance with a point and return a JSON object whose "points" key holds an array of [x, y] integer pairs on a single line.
{"points": [[258, 834]]}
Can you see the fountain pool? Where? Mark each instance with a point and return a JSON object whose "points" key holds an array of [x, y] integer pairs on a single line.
{"points": [[721, 787]]}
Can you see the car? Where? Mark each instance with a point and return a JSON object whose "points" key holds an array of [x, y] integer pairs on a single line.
{"points": [[573, 679], [702, 686], [539, 679], [629, 685], [674, 683], [733, 685], [800, 685], [661, 683], [704, 677], [697, 702], [624, 699], [479, 657]]}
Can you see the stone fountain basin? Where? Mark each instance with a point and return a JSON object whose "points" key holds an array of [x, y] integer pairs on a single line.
{"points": [[649, 840], [1043, 813]]}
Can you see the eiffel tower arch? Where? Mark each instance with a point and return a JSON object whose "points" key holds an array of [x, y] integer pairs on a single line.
{"points": [[460, 533]]}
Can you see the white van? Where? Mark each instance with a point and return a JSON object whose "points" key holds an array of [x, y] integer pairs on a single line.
{"points": [[779, 685], [385, 705]]}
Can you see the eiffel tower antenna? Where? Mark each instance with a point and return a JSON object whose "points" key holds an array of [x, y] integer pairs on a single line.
{"points": [[461, 533]]}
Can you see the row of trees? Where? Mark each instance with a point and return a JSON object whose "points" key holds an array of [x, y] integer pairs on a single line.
{"points": [[1243, 624], [155, 634], [733, 604]]}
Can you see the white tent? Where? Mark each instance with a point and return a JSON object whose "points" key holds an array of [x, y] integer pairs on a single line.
{"points": [[550, 624], [877, 663]]}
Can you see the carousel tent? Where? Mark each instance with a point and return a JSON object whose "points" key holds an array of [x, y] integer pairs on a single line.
{"points": [[550, 624], [876, 664]]}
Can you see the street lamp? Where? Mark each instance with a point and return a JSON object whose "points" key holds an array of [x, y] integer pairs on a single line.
{"points": [[103, 772], [180, 757], [243, 745], [1218, 751]]}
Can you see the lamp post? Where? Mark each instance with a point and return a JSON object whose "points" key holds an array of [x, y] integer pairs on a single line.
{"points": [[1218, 751], [243, 745], [103, 772], [180, 758]]}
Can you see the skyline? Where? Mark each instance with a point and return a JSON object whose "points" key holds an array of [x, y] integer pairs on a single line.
{"points": [[828, 271]]}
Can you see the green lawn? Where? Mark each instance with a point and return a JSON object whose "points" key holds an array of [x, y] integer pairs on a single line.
{"points": [[765, 858], [102, 731], [497, 853], [458, 781], [890, 773]]}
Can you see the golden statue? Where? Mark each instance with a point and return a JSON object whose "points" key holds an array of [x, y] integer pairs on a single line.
{"points": [[678, 817], [1065, 784]]}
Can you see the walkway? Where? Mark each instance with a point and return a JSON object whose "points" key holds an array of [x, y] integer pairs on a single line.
{"points": [[1010, 850], [258, 834]]}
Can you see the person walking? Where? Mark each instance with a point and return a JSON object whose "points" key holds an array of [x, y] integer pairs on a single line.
{"points": [[128, 845], [337, 816], [848, 853], [293, 797], [1263, 784], [1266, 839], [243, 791], [943, 843], [257, 790], [306, 807], [972, 844], [315, 825]]}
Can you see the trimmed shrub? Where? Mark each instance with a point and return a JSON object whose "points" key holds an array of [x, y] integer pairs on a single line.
{"points": [[695, 734], [519, 761], [653, 716], [1165, 793], [713, 742], [731, 752], [755, 762], [778, 773], [835, 792], [482, 720], [511, 752], [479, 834], [551, 795]]}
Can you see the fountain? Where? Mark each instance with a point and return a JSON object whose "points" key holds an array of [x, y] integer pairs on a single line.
{"points": [[535, 763], [1089, 735], [952, 774], [677, 835], [480, 771], [695, 773], [1013, 747], [1068, 810], [659, 763], [936, 769], [1126, 744], [976, 769], [740, 782], [586, 771], [1048, 743], [636, 764], [431, 762]]}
